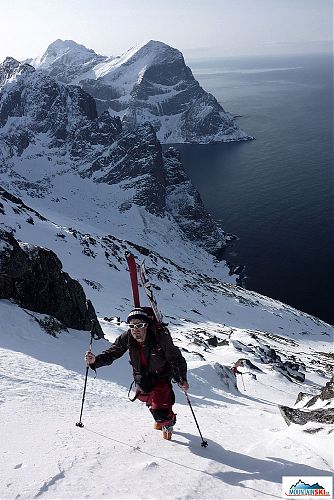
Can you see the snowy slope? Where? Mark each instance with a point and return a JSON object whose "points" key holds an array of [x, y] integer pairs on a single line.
{"points": [[148, 83], [118, 454], [96, 259], [89, 212]]}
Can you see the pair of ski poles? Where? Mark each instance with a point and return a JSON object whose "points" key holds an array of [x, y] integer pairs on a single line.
{"points": [[204, 444]]}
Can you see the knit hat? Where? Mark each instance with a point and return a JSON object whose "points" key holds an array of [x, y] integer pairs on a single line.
{"points": [[138, 313]]}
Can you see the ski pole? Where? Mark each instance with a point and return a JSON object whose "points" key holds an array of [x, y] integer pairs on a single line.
{"points": [[80, 424], [243, 383], [204, 444]]}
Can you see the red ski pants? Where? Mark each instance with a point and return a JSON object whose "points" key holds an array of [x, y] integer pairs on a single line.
{"points": [[160, 401]]}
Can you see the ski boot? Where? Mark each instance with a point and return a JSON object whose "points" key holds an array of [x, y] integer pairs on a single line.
{"points": [[167, 432]]}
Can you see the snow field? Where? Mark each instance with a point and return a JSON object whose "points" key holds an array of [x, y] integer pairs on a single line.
{"points": [[118, 454]]}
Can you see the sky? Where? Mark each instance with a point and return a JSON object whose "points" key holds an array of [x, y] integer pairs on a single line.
{"points": [[199, 29]]}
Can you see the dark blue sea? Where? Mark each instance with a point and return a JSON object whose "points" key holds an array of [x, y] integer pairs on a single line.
{"points": [[276, 192]]}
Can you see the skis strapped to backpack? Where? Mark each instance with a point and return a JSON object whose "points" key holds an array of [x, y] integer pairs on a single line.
{"points": [[134, 278], [149, 293], [153, 310]]}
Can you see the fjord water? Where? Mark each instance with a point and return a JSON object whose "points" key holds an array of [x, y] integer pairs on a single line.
{"points": [[276, 192]]}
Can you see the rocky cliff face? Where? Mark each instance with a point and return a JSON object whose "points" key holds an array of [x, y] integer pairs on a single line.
{"points": [[316, 409], [36, 108], [33, 277], [51, 136], [183, 201], [148, 83]]}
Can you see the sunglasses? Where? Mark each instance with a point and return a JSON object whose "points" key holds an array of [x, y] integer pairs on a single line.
{"points": [[137, 326]]}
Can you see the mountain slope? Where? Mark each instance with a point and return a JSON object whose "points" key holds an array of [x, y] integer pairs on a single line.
{"points": [[118, 454], [250, 446], [98, 261], [148, 83], [65, 60], [54, 148]]}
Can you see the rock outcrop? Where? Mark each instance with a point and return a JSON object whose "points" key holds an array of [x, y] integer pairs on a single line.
{"points": [[300, 417], [314, 409], [33, 277], [324, 399], [289, 369], [183, 201]]}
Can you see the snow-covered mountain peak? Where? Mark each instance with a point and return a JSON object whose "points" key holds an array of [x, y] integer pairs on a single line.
{"points": [[154, 52], [149, 83], [130, 68], [73, 51], [10, 62], [65, 59], [11, 68], [67, 45]]}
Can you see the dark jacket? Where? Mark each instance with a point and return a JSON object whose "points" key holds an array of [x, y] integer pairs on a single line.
{"points": [[164, 359]]}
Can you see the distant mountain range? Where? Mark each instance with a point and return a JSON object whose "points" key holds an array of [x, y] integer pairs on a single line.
{"points": [[148, 83]]}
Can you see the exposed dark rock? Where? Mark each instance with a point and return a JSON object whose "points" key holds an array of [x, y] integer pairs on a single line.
{"points": [[327, 392], [8, 69], [223, 342], [313, 430], [183, 201], [50, 324], [137, 159], [213, 341], [302, 397], [11, 67], [226, 376], [20, 206], [326, 396], [66, 113], [291, 370], [34, 278], [300, 417]]}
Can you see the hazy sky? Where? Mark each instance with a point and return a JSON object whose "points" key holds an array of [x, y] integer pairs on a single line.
{"points": [[196, 27]]}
